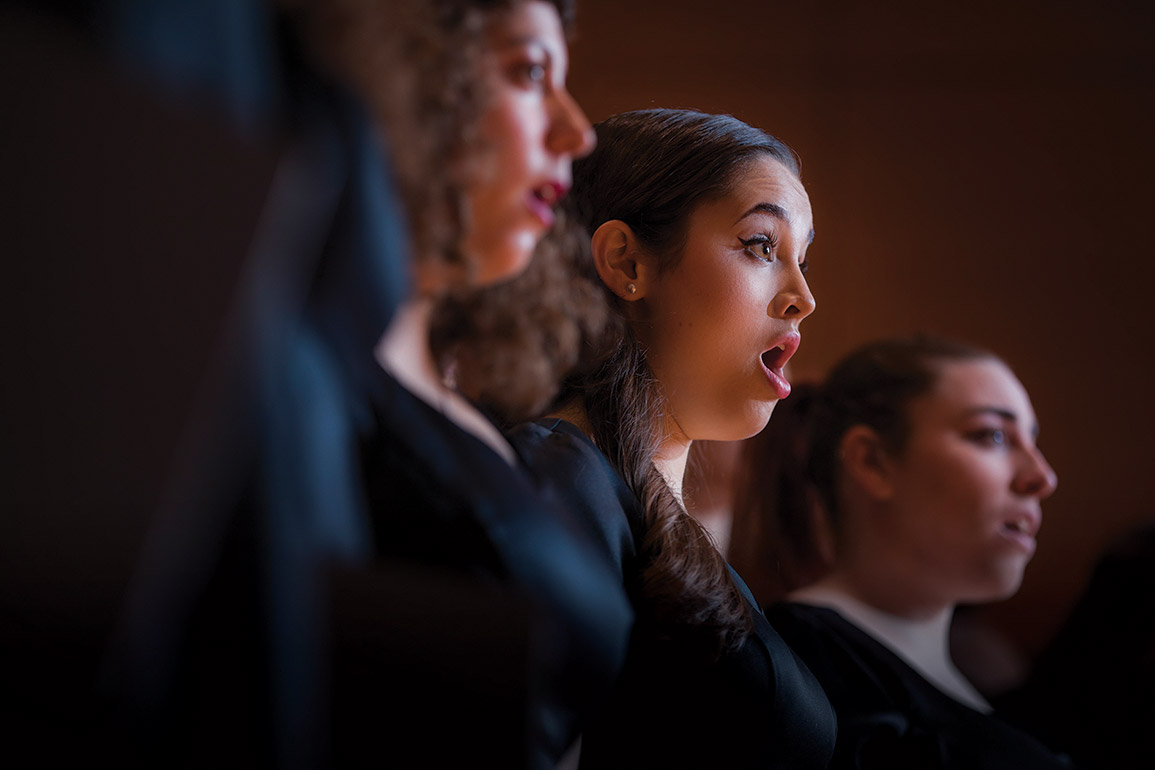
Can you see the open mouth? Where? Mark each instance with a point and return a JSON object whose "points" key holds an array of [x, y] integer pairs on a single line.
{"points": [[543, 199], [550, 193], [776, 357]]}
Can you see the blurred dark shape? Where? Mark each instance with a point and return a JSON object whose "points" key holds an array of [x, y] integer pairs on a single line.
{"points": [[126, 225], [1090, 691], [223, 53], [203, 247]]}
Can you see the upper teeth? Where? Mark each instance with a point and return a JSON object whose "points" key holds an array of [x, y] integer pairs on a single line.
{"points": [[547, 193]]}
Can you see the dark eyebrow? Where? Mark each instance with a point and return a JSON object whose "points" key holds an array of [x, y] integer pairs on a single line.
{"points": [[774, 210], [1004, 414], [522, 41]]}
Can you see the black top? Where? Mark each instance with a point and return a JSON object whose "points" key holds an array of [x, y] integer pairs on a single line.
{"points": [[758, 707], [441, 498], [1090, 690], [889, 716]]}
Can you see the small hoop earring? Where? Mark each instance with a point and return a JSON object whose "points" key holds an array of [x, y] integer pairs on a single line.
{"points": [[632, 289]]}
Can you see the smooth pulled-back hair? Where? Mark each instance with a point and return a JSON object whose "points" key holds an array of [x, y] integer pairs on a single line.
{"points": [[874, 386], [651, 169], [791, 470]]}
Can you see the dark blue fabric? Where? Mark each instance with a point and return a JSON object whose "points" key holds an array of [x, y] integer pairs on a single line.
{"points": [[216, 52], [270, 495]]}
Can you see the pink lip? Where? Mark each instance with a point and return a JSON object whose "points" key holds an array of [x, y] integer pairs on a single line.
{"points": [[544, 199], [1021, 528], [774, 360]]}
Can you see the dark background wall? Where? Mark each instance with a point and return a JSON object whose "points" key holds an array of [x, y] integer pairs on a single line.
{"points": [[981, 170]]}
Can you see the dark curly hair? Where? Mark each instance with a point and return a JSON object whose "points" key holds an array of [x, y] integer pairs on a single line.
{"points": [[416, 65], [651, 169], [510, 346], [787, 483]]}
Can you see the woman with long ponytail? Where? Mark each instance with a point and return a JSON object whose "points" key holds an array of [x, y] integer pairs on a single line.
{"points": [[699, 226]]}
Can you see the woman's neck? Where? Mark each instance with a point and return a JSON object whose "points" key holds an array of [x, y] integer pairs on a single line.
{"points": [[671, 463], [920, 638], [405, 353]]}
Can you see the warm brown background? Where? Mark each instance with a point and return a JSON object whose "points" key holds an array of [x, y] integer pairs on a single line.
{"points": [[978, 171]]}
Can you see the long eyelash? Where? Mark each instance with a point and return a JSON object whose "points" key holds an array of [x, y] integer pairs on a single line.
{"points": [[804, 266], [769, 238]]}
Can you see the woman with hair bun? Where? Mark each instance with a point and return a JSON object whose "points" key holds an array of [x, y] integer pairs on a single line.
{"points": [[918, 460]]}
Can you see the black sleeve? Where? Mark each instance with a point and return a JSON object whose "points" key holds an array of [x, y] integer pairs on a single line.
{"points": [[570, 468]]}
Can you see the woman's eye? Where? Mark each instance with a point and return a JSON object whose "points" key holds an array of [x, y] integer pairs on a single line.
{"points": [[989, 436], [532, 72], [760, 246]]}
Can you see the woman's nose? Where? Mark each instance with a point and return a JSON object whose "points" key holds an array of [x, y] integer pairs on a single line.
{"points": [[1036, 478], [570, 132], [794, 301]]}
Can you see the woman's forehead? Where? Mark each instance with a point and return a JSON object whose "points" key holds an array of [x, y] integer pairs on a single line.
{"points": [[984, 384]]}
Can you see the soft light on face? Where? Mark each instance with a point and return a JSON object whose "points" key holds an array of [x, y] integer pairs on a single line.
{"points": [[533, 129], [969, 482], [720, 325]]}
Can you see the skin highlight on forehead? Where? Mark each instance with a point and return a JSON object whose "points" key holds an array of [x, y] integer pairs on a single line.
{"points": [[787, 200]]}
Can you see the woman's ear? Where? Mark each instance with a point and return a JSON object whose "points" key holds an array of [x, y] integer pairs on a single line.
{"points": [[866, 463], [617, 258]]}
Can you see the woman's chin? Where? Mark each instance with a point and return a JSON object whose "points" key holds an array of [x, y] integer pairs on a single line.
{"points": [[999, 587], [506, 261], [758, 419], [738, 428]]}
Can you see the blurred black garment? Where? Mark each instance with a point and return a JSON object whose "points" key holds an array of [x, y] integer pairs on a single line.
{"points": [[757, 707], [1091, 692], [889, 716], [442, 498]]}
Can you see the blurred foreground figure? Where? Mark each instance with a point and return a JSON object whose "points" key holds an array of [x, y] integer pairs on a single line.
{"points": [[202, 278]]}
